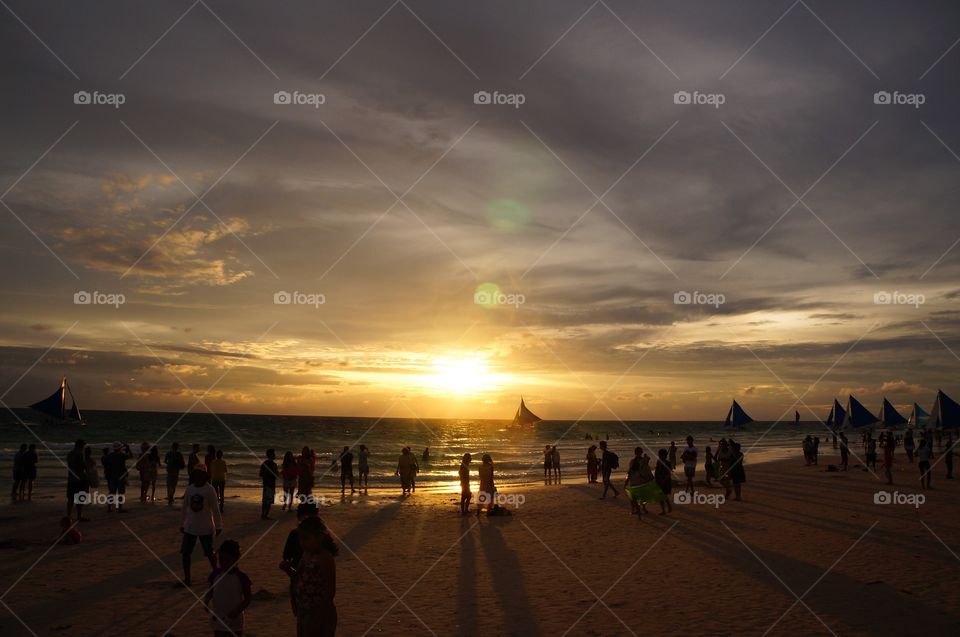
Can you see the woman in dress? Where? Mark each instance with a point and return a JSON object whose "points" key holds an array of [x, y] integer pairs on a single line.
{"points": [[305, 466], [288, 473], [737, 472], [153, 470], [315, 581], [405, 469], [487, 489], [592, 464], [363, 466]]}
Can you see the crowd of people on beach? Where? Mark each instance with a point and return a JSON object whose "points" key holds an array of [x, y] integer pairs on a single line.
{"points": [[308, 555]]}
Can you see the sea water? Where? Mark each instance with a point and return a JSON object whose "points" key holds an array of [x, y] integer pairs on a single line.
{"points": [[517, 452]]}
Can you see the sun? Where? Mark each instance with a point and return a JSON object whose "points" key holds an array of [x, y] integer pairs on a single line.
{"points": [[461, 374]]}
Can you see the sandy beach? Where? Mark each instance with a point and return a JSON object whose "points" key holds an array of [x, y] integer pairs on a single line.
{"points": [[565, 563]]}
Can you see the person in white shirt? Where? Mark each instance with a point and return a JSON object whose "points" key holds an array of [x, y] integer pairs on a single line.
{"points": [[689, 458], [199, 519]]}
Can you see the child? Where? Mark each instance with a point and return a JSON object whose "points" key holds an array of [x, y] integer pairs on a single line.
{"points": [[315, 581], [228, 594], [465, 495], [69, 533], [664, 479]]}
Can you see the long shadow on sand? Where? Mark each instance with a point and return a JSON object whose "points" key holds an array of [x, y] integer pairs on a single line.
{"points": [[877, 608], [508, 579], [466, 622]]}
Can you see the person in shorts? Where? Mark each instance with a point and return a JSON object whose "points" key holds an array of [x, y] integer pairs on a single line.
{"points": [[200, 519], [76, 480], [923, 463], [689, 458]]}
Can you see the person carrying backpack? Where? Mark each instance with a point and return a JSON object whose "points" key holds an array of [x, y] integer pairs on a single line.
{"points": [[608, 462]]}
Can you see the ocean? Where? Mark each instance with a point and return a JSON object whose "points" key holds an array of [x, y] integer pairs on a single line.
{"points": [[517, 453]]}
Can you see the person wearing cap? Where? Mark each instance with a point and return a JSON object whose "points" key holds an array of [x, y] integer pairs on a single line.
{"points": [[116, 468], [200, 518]]}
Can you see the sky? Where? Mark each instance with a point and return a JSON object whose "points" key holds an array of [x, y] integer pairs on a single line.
{"points": [[619, 210]]}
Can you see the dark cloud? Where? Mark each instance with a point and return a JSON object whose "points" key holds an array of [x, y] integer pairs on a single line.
{"points": [[303, 207]]}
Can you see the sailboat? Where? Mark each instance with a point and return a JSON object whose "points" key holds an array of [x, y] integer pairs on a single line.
{"points": [[736, 417], [889, 417], [524, 417], [918, 417], [837, 414], [945, 413], [55, 405], [857, 415]]}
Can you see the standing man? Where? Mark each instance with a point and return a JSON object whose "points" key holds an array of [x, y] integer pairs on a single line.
{"points": [[193, 460], [608, 462], [465, 495], [547, 463], [175, 464], [76, 480], [689, 458], [346, 470], [18, 472], [555, 459], [268, 476], [844, 451], [116, 465], [948, 459], [199, 519]]}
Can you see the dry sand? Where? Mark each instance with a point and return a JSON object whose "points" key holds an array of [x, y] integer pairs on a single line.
{"points": [[700, 571]]}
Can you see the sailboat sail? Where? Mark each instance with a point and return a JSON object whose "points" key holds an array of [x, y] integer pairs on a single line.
{"points": [[945, 413], [889, 416], [837, 414], [736, 417], [524, 416], [918, 417], [858, 415], [55, 404]]}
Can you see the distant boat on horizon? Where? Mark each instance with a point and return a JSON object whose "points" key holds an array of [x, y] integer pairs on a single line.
{"points": [[524, 417], [55, 405], [736, 417]]}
